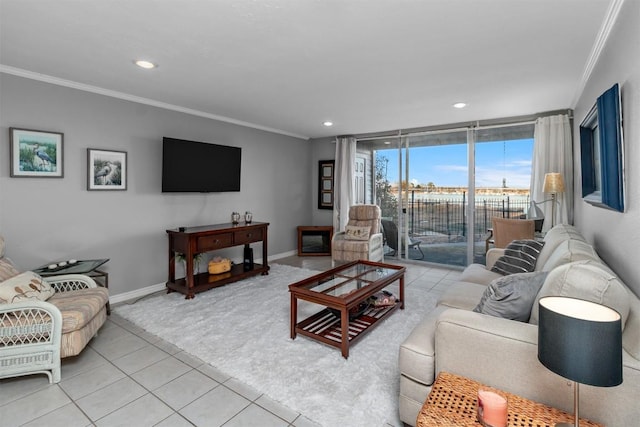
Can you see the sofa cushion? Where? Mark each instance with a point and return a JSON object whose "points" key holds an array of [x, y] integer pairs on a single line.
{"points": [[25, 286], [520, 256], [79, 307], [569, 251], [553, 238], [512, 296], [463, 295], [478, 273], [588, 280], [352, 232]]}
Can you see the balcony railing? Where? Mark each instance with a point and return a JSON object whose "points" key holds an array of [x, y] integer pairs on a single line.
{"points": [[445, 214]]}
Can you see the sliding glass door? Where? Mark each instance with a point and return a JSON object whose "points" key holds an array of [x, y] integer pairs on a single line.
{"points": [[439, 189]]}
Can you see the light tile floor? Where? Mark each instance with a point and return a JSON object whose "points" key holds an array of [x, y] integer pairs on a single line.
{"points": [[128, 377]]}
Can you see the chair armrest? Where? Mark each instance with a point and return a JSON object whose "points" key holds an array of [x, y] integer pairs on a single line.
{"points": [[339, 236], [376, 239], [29, 322], [70, 282]]}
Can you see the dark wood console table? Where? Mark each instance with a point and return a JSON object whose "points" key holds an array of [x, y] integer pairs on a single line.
{"points": [[191, 241]]}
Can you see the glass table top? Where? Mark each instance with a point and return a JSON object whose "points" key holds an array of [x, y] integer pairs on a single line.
{"points": [[350, 279], [70, 267]]}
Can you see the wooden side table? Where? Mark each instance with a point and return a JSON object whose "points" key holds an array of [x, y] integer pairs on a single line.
{"points": [[102, 279], [453, 400], [314, 240]]}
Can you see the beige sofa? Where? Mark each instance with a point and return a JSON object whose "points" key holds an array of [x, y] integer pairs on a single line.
{"points": [[503, 353], [44, 320]]}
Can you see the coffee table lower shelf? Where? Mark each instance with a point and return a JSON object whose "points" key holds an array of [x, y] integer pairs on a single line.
{"points": [[325, 326]]}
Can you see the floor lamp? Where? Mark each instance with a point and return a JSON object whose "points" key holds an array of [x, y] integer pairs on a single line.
{"points": [[553, 184], [581, 341]]}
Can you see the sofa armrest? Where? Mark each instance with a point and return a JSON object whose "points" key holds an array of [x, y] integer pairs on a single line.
{"points": [[70, 282], [498, 352], [492, 256]]}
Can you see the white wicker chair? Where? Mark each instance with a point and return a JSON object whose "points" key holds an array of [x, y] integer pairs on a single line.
{"points": [[31, 332]]}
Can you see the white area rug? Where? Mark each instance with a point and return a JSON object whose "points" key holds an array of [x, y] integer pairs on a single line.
{"points": [[243, 330]]}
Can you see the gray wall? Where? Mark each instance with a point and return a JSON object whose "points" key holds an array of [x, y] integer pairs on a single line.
{"points": [[614, 234], [321, 149], [45, 219]]}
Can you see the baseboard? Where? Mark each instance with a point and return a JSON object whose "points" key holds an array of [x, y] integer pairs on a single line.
{"points": [[138, 293], [142, 292], [283, 255]]}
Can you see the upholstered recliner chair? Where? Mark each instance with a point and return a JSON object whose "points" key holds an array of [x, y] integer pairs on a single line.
{"points": [[361, 238], [44, 320]]}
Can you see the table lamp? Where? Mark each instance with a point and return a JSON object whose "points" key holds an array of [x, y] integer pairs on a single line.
{"points": [[553, 184], [535, 213], [581, 341]]}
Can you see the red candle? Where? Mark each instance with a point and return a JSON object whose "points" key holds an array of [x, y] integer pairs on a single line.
{"points": [[492, 409]]}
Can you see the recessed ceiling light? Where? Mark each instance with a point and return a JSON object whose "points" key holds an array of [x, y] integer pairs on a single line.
{"points": [[145, 64], [327, 123], [460, 105], [387, 143]]}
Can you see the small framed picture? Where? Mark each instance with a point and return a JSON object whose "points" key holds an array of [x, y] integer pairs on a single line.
{"points": [[106, 170], [35, 153], [325, 184]]}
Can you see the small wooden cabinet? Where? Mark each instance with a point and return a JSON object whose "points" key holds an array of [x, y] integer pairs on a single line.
{"points": [[191, 241], [314, 240]]}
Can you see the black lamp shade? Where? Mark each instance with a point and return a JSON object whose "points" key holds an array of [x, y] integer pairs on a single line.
{"points": [[580, 340]]}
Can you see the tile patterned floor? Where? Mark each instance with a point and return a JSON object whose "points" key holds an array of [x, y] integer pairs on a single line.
{"points": [[128, 377]]}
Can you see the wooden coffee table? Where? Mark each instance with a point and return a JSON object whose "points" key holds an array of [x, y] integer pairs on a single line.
{"points": [[340, 290]]}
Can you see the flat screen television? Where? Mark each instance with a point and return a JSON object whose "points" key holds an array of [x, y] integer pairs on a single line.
{"points": [[199, 167]]}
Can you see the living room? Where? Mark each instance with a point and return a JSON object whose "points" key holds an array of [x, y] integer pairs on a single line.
{"points": [[52, 219]]}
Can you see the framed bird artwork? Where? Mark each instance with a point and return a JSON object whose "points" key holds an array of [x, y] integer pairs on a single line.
{"points": [[36, 153], [106, 169]]}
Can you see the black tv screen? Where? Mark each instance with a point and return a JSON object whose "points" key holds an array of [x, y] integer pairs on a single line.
{"points": [[199, 167]]}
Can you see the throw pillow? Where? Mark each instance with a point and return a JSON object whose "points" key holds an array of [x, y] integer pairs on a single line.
{"points": [[25, 286], [511, 297], [520, 256], [353, 232]]}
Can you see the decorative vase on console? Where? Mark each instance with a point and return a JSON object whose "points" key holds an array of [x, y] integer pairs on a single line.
{"points": [[196, 262], [235, 218]]}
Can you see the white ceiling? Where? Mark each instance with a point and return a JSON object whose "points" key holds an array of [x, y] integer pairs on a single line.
{"points": [[289, 65]]}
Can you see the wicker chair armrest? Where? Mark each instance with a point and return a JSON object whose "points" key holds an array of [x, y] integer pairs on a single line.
{"points": [[70, 282], [29, 322]]}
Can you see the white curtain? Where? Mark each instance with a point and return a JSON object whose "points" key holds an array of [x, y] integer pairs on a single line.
{"points": [[553, 152], [343, 193]]}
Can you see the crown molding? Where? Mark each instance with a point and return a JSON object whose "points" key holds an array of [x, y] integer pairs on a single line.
{"points": [[138, 99], [605, 30]]}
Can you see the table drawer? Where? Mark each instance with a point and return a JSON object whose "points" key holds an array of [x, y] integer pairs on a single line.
{"points": [[247, 236], [216, 241]]}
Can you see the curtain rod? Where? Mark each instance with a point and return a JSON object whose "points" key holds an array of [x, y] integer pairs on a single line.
{"points": [[488, 124], [439, 131]]}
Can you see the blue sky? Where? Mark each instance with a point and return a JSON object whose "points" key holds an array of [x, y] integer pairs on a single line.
{"points": [[447, 165]]}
